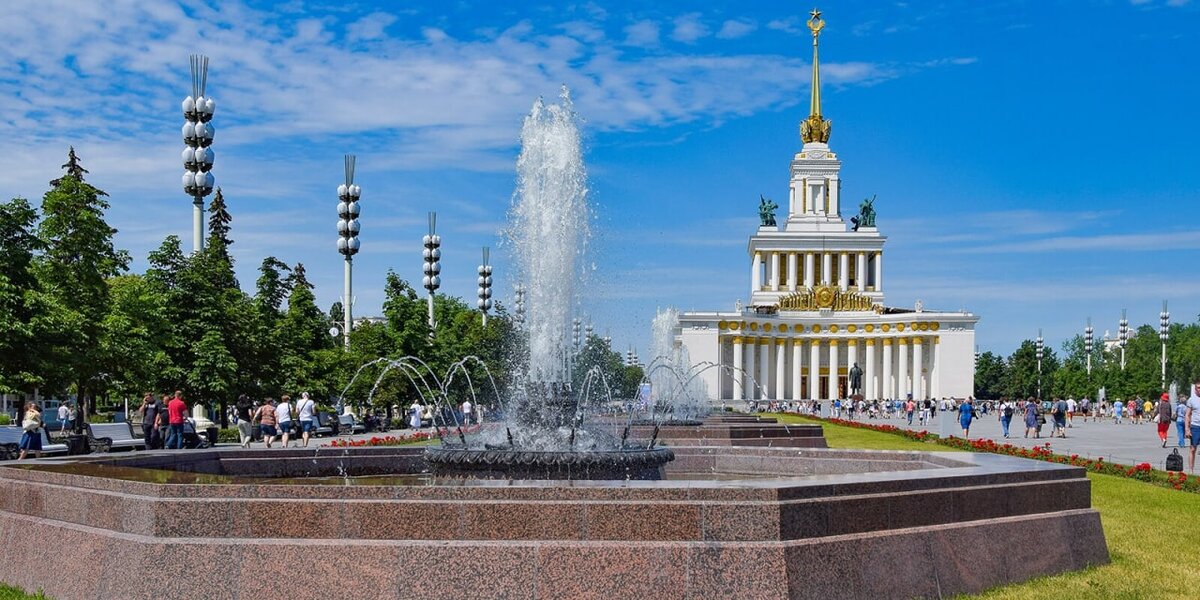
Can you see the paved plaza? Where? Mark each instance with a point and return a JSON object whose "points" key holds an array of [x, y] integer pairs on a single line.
{"points": [[1125, 443]]}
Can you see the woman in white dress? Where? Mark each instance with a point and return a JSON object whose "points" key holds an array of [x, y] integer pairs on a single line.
{"points": [[414, 415]]}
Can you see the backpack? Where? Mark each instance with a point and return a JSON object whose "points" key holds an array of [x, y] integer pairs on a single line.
{"points": [[1175, 461], [1008, 411]]}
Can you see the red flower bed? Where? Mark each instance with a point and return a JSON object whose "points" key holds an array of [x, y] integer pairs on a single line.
{"points": [[1141, 472], [400, 440]]}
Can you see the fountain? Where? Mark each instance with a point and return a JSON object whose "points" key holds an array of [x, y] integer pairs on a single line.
{"points": [[548, 432]]}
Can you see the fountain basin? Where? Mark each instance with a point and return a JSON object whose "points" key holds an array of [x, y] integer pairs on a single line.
{"points": [[627, 463], [726, 522]]}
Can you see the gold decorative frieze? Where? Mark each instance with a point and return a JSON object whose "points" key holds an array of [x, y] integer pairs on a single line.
{"points": [[827, 297], [852, 328], [754, 327], [833, 329], [722, 325]]}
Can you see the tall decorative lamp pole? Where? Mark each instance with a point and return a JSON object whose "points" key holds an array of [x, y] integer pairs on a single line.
{"points": [[519, 305], [1087, 344], [1164, 332], [1123, 336], [433, 264], [347, 208], [198, 157], [485, 286], [1040, 346]]}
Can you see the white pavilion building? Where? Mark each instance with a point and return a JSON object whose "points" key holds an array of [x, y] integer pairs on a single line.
{"points": [[816, 306]]}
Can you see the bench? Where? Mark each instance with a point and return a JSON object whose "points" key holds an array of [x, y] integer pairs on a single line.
{"points": [[10, 441], [348, 425], [107, 436]]}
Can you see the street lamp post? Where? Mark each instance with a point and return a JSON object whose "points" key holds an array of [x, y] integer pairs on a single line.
{"points": [[519, 306], [1164, 332], [1123, 336], [433, 265], [1087, 345], [347, 208], [485, 286], [1040, 346], [198, 156]]}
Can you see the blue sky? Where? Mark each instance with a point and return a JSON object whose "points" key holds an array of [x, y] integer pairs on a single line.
{"points": [[1034, 162]]}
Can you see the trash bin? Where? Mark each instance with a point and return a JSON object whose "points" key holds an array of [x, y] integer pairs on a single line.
{"points": [[212, 433], [77, 444]]}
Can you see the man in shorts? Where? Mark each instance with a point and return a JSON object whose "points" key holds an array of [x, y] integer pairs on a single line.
{"points": [[1192, 423]]}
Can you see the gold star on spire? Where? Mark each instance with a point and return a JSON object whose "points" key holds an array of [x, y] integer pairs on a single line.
{"points": [[815, 128]]}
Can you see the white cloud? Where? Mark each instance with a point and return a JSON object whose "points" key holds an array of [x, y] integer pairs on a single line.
{"points": [[736, 28], [370, 27], [689, 29], [643, 34]]}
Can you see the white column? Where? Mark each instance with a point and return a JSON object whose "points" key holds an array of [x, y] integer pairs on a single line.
{"points": [[879, 272], [833, 369], [904, 369], [826, 267], [756, 273], [739, 378], [751, 374], [781, 352], [797, 363], [860, 273], [869, 372], [918, 366], [843, 271], [814, 369], [935, 371], [764, 366], [889, 386], [809, 261], [792, 272], [774, 258]]}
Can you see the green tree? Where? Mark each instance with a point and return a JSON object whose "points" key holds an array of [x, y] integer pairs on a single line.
{"points": [[135, 336], [79, 257], [302, 332], [990, 376], [21, 321], [1022, 378]]}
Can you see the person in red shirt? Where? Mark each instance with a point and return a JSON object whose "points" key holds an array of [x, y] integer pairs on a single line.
{"points": [[176, 413]]}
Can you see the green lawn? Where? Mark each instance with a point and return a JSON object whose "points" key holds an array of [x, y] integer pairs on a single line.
{"points": [[12, 593], [1146, 526]]}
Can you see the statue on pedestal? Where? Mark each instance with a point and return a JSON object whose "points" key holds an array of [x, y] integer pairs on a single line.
{"points": [[866, 214], [766, 211], [856, 375]]}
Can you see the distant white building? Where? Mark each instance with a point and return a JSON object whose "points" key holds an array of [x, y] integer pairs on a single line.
{"points": [[816, 309]]}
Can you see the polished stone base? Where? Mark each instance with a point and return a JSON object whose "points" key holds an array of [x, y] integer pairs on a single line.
{"points": [[734, 430], [728, 522], [505, 463]]}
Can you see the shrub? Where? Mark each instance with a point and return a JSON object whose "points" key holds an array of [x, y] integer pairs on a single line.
{"points": [[5, 420]]}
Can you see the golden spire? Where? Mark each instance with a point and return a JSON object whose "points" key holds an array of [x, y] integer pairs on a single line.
{"points": [[815, 128]]}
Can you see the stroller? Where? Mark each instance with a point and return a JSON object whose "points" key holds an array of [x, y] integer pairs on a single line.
{"points": [[191, 439]]}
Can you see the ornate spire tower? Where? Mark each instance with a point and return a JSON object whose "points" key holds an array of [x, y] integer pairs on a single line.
{"points": [[815, 128]]}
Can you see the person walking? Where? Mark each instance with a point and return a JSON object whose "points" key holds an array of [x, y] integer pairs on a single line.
{"points": [[64, 418], [283, 418], [414, 415], [1192, 423], [265, 415], [176, 414], [466, 412], [1118, 409], [909, 408], [245, 420], [966, 413], [1059, 412], [1180, 415], [1031, 418], [306, 411], [1162, 416], [151, 412], [1006, 414], [31, 432]]}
